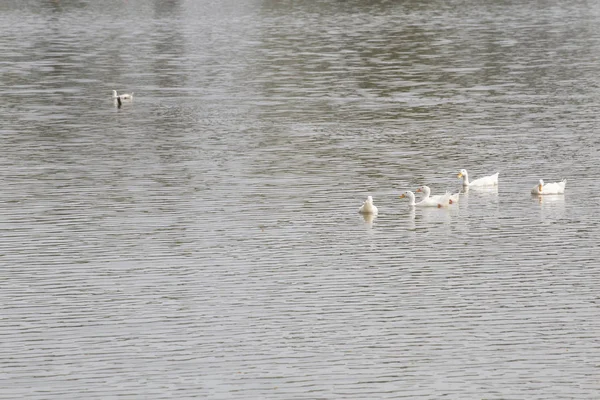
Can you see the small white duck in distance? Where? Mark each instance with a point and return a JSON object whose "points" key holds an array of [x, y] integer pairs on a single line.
{"points": [[443, 201], [438, 197], [368, 207], [491, 180], [549, 188], [124, 96]]}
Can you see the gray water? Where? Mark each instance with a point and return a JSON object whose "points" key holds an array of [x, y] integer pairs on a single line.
{"points": [[204, 241]]}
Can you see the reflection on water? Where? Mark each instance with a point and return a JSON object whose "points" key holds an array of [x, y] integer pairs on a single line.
{"points": [[369, 218], [552, 208], [550, 199], [203, 241], [480, 190]]}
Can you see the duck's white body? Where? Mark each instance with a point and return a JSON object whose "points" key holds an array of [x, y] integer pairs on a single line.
{"points": [[454, 198], [491, 180], [438, 197], [368, 207], [549, 188], [123, 97], [443, 201]]}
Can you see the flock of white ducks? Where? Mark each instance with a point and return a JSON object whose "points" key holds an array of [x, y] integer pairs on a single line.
{"points": [[444, 200], [428, 200]]}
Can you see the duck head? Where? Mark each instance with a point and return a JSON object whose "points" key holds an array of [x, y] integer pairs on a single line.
{"points": [[425, 190]]}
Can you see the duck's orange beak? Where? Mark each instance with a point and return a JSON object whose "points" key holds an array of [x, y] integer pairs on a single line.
{"points": [[459, 175], [402, 196], [540, 188], [418, 190]]}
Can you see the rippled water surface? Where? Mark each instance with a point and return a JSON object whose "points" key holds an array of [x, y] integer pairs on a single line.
{"points": [[204, 241]]}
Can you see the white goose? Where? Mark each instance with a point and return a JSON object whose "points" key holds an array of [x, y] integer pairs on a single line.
{"points": [[549, 188], [123, 97], [428, 202], [491, 180], [427, 195], [368, 207]]}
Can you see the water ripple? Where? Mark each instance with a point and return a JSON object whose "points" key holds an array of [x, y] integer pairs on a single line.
{"points": [[204, 240]]}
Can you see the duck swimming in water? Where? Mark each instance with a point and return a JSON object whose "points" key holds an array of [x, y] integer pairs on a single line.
{"points": [[368, 207], [443, 201], [549, 188], [491, 180], [123, 97], [438, 197]]}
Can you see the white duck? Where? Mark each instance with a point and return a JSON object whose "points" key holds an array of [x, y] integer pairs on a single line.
{"points": [[428, 202], [368, 207], [427, 195], [549, 188], [123, 97], [491, 180]]}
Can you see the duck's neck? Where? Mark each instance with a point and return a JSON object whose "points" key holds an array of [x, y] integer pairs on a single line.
{"points": [[465, 179]]}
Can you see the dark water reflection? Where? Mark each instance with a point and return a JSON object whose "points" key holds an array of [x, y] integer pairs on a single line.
{"points": [[204, 240]]}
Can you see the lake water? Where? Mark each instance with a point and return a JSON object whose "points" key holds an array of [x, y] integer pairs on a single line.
{"points": [[204, 241]]}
